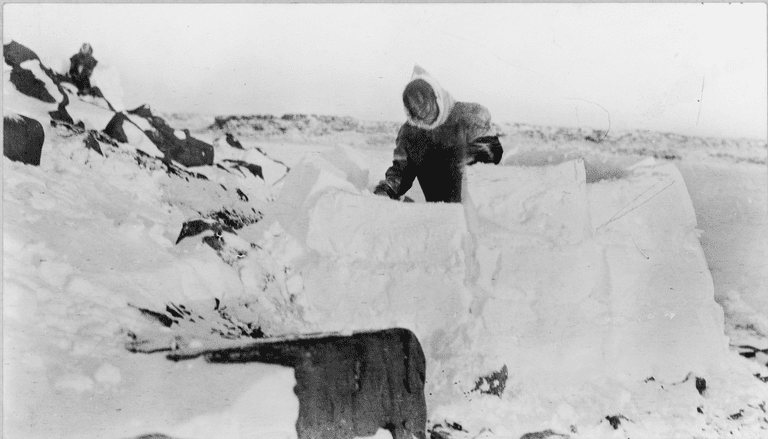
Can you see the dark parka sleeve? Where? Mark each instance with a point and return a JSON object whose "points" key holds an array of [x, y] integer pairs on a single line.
{"points": [[399, 177], [483, 144]]}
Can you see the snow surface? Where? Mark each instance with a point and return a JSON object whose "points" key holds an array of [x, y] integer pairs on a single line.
{"points": [[597, 296]]}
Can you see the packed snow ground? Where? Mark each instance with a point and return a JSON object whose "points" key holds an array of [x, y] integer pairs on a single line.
{"points": [[557, 275]]}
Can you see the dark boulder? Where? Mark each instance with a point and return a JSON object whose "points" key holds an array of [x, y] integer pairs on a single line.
{"points": [[61, 114], [24, 80], [115, 128], [23, 139], [27, 83], [15, 54], [187, 151]]}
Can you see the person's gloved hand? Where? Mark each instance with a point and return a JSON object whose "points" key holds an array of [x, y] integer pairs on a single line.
{"points": [[486, 149], [383, 189]]}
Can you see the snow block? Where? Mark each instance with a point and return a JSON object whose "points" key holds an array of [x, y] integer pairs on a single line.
{"points": [[375, 263], [549, 202], [665, 321], [354, 227], [538, 268], [23, 139], [582, 281]]}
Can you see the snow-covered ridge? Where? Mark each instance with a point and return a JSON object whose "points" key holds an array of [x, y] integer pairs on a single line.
{"points": [[575, 142]]}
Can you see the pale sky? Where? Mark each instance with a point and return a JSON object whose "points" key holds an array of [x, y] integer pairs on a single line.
{"points": [[688, 68]]}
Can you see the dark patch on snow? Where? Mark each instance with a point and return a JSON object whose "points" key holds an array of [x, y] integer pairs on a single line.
{"points": [[233, 142], [156, 316], [761, 377], [543, 435], [91, 143], [154, 436], [736, 416], [242, 195], [701, 385], [234, 220], [747, 351], [23, 139], [192, 228], [649, 379], [700, 410], [495, 382], [455, 426], [615, 420], [189, 151], [253, 169], [437, 432]]}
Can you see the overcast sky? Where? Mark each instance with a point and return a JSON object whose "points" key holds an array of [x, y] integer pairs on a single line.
{"points": [[689, 68]]}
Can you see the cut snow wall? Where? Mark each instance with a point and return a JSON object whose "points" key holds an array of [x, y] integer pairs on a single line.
{"points": [[373, 263], [544, 278], [593, 280]]}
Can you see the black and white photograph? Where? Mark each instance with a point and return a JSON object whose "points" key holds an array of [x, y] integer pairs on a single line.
{"points": [[385, 220]]}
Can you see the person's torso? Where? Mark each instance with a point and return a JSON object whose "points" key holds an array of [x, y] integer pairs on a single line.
{"points": [[438, 158]]}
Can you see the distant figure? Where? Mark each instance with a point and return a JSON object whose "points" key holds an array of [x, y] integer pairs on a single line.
{"points": [[81, 68], [440, 137]]}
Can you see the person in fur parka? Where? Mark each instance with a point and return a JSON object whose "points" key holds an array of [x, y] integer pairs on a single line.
{"points": [[439, 138]]}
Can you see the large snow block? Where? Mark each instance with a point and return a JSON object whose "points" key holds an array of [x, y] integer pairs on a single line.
{"points": [[547, 201], [540, 317], [370, 262], [385, 263], [352, 226], [663, 318], [306, 182]]}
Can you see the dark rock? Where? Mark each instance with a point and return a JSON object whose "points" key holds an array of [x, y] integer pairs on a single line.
{"points": [[545, 434], [157, 316], [349, 386], [192, 228], [189, 151], [27, 83], [255, 170], [15, 54], [61, 114], [233, 142], [115, 128], [234, 220], [23, 139], [496, 382], [91, 143], [701, 385], [615, 420]]}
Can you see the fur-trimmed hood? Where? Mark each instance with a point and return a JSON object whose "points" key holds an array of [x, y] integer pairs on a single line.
{"points": [[445, 102]]}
